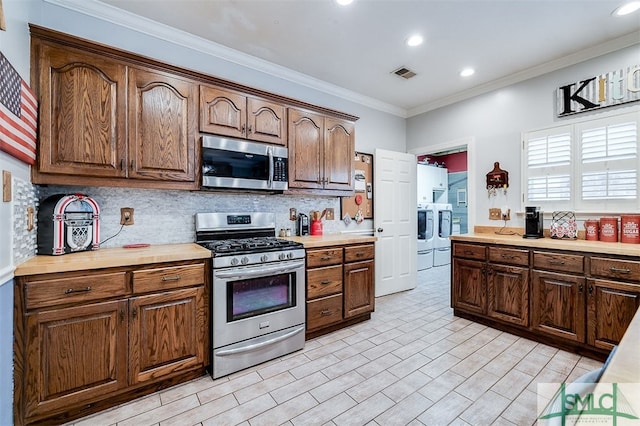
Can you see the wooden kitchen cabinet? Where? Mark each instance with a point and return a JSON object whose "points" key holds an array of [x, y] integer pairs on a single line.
{"points": [[321, 152], [575, 300], [88, 340], [110, 122], [492, 282], [229, 113], [340, 287]]}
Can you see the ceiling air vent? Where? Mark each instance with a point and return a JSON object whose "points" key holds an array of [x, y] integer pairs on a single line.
{"points": [[404, 73]]}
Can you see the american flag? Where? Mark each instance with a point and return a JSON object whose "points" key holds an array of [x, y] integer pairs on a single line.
{"points": [[18, 114]]}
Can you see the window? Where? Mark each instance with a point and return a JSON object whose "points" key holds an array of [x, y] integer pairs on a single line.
{"points": [[587, 166]]}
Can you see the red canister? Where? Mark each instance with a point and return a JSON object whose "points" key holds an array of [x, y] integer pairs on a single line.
{"points": [[316, 227], [629, 229], [591, 228], [609, 229]]}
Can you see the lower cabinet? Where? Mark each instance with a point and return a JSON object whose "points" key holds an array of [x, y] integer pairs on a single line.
{"points": [[83, 339], [580, 300], [340, 287]]}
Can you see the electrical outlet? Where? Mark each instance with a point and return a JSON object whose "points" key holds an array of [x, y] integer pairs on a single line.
{"points": [[330, 214], [495, 214], [506, 215], [126, 216], [293, 214]]}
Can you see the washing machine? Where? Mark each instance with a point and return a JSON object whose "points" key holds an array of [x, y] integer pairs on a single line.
{"points": [[444, 226], [426, 236]]}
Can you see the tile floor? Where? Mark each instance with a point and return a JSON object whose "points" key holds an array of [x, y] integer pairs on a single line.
{"points": [[413, 363]]}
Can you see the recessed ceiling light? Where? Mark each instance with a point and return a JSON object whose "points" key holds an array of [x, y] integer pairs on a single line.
{"points": [[415, 40], [467, 72], [344, 2], [627, 8]]}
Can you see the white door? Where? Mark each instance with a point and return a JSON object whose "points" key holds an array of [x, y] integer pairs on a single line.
{"points": [[395, 221]]}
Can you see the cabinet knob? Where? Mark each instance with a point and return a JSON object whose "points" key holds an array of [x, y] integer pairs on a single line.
{"points": [[379, 230], [590, 289], [580, 288]]}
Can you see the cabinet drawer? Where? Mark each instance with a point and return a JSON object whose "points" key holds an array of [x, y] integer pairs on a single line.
{"points": [[324, 281], [509, 256], [323, 312], [155, 279], [625, 270], [324, 257], [83, 288], [469, 251], [357, 253], [558, 262]]}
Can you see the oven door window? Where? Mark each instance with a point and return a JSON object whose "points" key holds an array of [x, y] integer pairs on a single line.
{"points": [[258, 296]]}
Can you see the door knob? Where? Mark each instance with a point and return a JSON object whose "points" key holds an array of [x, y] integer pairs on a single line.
{"points": [[379, 229]]}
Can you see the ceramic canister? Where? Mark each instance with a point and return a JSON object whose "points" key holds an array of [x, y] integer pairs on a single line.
{"points": [[609, 229], [591, 230], [629, 229]]}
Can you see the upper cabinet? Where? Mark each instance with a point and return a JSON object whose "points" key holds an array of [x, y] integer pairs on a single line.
{"points": [[106, 122], [321, 152], [230, 113]]}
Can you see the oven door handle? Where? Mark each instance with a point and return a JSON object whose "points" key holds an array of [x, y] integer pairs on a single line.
{"points": [[258, 271], [257, 346]]}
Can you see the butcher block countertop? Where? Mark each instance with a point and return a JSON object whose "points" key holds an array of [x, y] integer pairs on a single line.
{"points": [[111, 257], [622, 249], [317, 241]]}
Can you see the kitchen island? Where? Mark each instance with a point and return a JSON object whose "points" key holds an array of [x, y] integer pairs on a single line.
{"points": [[574, 294]]}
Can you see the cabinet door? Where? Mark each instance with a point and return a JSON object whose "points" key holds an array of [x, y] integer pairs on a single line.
{"points": [[339, 150], [167, 333], [75, 355], [611, 306], [508, 294], [162, 126], [358, 288], [266, 121], [223, 112], [469, 286], [559, 305], [82, 114], [306, 143]]}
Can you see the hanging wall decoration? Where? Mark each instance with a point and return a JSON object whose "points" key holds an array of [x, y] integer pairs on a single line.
{"points": [[18, 114], [497, 180]]}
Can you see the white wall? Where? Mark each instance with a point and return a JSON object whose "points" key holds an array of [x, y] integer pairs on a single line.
{"points": [[496, 120]]}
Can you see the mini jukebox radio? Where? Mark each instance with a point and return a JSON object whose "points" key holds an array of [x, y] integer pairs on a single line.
{"points": [[67, 224]]}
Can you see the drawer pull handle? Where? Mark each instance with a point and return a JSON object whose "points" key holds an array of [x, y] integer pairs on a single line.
{"points": [[468, 252], [326, 258], [556, 262], [508, 256], [171, 278], [359, 254], [79, 290], [620, 270], [325, 282], [326, 312]]}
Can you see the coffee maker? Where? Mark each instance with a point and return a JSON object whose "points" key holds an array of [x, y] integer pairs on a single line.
{"points": [[303, 225], [533, 223]]}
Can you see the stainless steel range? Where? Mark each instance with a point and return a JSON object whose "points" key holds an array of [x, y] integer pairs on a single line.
{"points": [[258, 286]]}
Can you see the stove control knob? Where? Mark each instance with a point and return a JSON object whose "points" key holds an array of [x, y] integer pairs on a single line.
{"points": [[234, 261], [282, 256], [290, 255], [264, 258], [244, 260]]}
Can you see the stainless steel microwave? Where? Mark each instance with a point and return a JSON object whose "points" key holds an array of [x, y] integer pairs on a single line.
{"points": [[238, 164]]}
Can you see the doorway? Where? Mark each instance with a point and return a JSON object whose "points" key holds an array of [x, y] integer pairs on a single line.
{"points": [[461, 178]]}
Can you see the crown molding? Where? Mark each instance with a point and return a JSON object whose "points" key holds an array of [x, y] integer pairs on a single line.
{"points": [[536, 71], [116, 16]]}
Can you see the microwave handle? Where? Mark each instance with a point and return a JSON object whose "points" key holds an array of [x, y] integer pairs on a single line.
{"points": [[271, 167]]}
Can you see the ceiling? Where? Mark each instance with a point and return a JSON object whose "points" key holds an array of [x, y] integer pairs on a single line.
{"points": [[356, 48]]}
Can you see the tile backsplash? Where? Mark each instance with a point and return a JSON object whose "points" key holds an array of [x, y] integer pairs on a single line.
{"points": [[163, 217]]}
